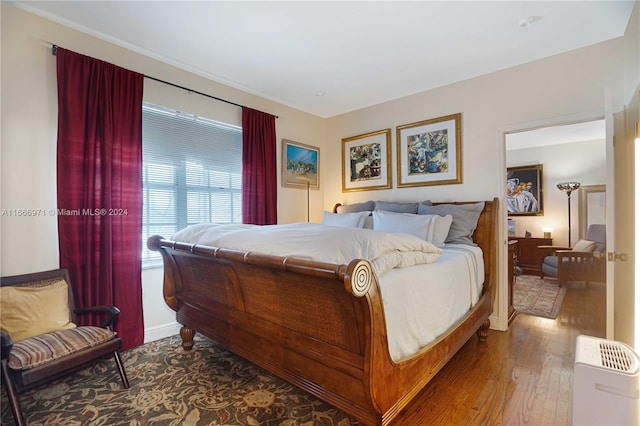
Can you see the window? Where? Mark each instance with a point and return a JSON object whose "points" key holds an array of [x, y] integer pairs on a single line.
{"points": [[192, 173]]}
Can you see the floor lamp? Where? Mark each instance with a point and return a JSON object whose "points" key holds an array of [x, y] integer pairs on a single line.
{"points": [[569, 187], [308, 187]]}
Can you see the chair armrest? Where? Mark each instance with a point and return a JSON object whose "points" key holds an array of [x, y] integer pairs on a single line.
{"points": [[551, 250], [111, 311], [6, 342], [575, 253], [578, 256], [554, 248]]}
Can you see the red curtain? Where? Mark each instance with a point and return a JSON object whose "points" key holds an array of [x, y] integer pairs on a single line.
{"points": [[99, 181], [259, 169]]}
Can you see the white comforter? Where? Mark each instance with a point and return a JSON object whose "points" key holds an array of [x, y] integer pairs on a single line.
{"points": [[420, 303], [322, 243]]}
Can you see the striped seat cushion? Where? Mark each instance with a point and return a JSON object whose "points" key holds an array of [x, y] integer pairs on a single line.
{"points": [[36, 350]]}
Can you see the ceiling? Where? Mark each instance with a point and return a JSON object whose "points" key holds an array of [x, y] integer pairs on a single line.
{"points": [[554, 135], [332, 57]]}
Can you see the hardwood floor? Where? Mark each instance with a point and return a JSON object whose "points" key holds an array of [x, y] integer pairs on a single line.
{"points": [[522, 376]]}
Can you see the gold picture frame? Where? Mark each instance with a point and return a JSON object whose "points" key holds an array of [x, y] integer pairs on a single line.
{"points": [[365, 161], [300, 165], [524, 191], [429, 152]]}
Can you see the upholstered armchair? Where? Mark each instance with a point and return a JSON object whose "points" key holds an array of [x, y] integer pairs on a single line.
{"points": [[40, 337], [586, 261]]}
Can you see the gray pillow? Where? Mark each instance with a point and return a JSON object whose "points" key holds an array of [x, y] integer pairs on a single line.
{"points": [[367, 206], [465, 220], [397, 207]]}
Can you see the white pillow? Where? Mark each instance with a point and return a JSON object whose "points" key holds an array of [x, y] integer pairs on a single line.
{"points": [[349, 220], [584, 245], [419, 225], [440, 229]]}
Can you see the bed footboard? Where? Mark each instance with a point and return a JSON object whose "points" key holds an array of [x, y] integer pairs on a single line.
{"points": [[307, 322]]}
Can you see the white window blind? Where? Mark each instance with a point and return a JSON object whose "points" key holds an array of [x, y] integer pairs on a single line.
{"points": [[192, 173]]}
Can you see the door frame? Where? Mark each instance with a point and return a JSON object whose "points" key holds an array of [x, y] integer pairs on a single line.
{"points": [[499, 319]]}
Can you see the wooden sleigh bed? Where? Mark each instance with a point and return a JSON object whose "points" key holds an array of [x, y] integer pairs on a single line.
{"points": [[320, 326]]}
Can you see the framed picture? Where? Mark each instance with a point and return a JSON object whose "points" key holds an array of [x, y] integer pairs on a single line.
{"points": [[365, 161], [429, 152], [524, 190], [300, 165]]}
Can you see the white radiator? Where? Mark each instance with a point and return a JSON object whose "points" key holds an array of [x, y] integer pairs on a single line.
{"points": [[606, 383]]}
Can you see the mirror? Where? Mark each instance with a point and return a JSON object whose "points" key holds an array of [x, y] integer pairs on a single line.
{"points": [[592, 206]]}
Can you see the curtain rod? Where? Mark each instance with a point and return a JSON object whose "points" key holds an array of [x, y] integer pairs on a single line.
{"points": [[54, 51]]}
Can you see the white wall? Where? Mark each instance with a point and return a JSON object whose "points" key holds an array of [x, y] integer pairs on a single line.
{"points": [[560, 86], [584, 162]]}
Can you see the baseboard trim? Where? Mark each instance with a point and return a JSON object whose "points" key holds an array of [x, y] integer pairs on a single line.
{"points": [[160, 332], [496, 323]]}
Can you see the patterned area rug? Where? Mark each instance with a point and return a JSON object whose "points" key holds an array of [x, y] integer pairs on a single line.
{"points": [[537, 296], [206, 386]]}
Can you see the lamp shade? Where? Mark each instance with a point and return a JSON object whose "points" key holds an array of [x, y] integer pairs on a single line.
{"points": [[568, 187]]}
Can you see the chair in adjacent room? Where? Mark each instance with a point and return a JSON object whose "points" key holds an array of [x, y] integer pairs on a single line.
{"points": [[586, 261], [40, 337]]}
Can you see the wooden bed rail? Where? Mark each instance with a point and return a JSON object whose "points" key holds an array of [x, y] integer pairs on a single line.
{"points": [[357, 275]]}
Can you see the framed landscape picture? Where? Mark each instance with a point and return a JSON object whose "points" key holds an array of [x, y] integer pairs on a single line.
{"points": [[429, 152], [300, 165], [365, 161], [524, 190]]}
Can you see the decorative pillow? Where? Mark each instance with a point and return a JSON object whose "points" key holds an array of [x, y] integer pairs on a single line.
{"points": [[584, 245], [30, 311], [397, 207], [407, 223], [465, 219], [367, 206], [350, 220], [440, 229]]}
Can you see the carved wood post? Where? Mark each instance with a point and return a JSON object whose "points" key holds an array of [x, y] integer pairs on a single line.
{"points": [[483, 331], [187, 334]]}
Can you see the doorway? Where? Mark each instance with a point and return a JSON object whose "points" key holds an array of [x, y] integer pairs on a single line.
{"points": [[564, 153]]}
